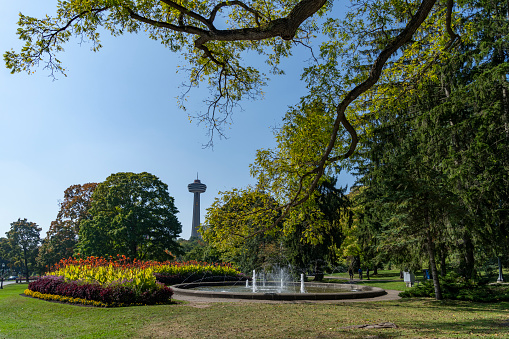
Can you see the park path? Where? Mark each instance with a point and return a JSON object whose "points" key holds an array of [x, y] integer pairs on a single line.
{"points": [[8, 282]]}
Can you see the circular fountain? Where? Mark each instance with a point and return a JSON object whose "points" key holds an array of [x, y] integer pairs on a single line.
{"points": [[277, 288]]}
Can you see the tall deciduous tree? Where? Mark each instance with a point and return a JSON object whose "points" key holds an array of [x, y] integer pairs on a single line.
{"points": [[132, 214], [323, 227], [25, 236], [235, 225], [62, 236]]}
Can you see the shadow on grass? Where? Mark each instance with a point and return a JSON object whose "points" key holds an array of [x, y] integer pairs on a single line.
{"points": [[469, 327], [385, 284], [378, 282], [453, 305], [431, 329], [387, 275]]}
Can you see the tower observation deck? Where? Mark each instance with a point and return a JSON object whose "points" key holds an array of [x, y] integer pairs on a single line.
{"points": [[197, 188]]}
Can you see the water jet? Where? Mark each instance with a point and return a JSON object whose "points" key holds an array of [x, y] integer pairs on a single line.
{"points": [[277, 288]]}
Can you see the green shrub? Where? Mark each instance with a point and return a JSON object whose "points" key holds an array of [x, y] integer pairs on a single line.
{"points": [[457, 288]]}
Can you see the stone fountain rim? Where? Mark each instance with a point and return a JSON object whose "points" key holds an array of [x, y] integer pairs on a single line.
{"points": [[185, 289]]}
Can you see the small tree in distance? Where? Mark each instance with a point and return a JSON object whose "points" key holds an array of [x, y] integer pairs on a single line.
{"points": [[62, 236], [25, 235]]}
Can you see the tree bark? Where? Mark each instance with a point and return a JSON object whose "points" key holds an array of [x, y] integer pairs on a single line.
{"points": [[468, 256], [443, 256], [430, 245], [431, 253], [26, 263]]}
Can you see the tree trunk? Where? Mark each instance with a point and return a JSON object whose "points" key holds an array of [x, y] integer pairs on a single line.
{"points": [[356, 263], [26, 264], [443, 256], [431, 253], [468, 256], [375, 270], [500, 274], [430, 245]]}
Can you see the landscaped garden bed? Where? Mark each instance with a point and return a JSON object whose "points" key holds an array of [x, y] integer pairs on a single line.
{"points": [[121, 282]]}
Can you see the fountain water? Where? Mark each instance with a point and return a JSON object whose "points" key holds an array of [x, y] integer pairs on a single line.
{"points": [[277, 285], [254, 281]]}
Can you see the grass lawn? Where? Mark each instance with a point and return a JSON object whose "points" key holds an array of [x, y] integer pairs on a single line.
{"points": [[386, 285], [382, 279], [416, 318], [382, 275]]}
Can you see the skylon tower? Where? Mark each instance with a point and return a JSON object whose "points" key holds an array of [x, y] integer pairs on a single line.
{"points": [[197, 188]]}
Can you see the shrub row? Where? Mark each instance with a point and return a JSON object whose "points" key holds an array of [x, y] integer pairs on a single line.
{"points": [[456, 288], [172, 279], [197, 267], [112, 294]]}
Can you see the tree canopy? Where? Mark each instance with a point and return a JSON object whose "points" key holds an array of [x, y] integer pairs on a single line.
{"points": [[24, 237], [131, 214], [62, 236]]}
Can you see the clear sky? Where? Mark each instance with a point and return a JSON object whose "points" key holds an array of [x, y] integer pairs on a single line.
{"points": [[116, 111]]}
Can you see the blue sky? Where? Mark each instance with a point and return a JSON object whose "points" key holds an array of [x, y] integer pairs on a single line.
{"points": [[116, 111]]}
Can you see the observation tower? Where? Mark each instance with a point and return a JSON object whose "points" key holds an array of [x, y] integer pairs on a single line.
{"points": [[197, 188]]}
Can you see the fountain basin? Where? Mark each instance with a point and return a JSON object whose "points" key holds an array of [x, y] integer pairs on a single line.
{"points": [[330, 291]]}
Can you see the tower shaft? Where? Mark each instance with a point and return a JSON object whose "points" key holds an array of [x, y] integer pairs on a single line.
{"points": [[196, 215]]}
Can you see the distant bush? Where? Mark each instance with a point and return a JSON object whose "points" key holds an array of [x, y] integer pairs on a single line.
{"points": [[190, 271], [172, 279], [455, 287], [198, 268]]}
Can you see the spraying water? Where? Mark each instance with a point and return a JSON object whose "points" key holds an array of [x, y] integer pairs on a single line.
{"points": [[254, 281], [302, 288]]}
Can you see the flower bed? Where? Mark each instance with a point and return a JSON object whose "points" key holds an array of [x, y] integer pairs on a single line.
{"points": [[114, 294], [121, 281]]}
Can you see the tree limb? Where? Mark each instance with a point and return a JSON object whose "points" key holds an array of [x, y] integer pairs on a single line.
{"points": [[183, 29], [214, 11], [341, 120], [448, 22], [190, 13]]}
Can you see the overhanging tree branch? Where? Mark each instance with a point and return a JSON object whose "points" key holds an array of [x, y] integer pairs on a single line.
{"points": [[341, 120], [214, 11]]}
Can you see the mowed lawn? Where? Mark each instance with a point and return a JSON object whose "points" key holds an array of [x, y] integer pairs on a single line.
{"points": [[23, 317]]}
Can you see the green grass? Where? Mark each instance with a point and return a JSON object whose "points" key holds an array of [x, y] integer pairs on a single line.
{"points": [[394, 275], [416, 318], [388, 280], [382, 275], [386, 285]]}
